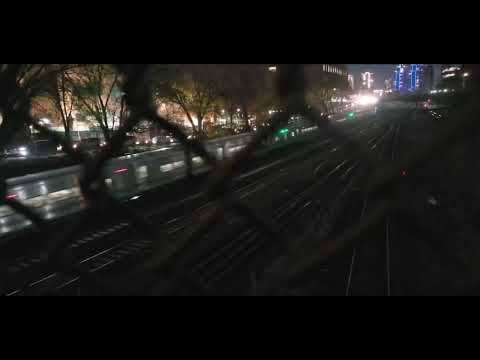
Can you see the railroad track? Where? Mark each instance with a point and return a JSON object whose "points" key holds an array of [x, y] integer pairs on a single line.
{"points": [[236, 252], [370, 267], [112, 250], [119, 252], [216, 266]]}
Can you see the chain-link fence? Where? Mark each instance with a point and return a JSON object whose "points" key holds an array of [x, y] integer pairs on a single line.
{"points": [[383, 180]]}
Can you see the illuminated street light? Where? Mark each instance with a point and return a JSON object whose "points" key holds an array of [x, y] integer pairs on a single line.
{"points": [[464, 79]]}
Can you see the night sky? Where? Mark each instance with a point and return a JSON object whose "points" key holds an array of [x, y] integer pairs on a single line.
{"points": [[381, 72]]}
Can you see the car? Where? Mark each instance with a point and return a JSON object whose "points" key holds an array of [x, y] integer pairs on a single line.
{"points": [[172, 140], [18, 150]]}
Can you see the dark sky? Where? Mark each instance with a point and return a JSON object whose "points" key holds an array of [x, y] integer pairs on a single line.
{"points": [[381, 72]]}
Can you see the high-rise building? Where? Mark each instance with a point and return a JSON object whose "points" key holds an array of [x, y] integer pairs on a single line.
{"points": [[421, 77], [414, 74], [427, 78], [437, 74], [318, 77], [367, 80], [457, 76], [400, 77], [388, 85], [351, 81], [451, 70], [413, 77]]}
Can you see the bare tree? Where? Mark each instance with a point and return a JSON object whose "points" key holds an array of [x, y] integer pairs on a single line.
{"points": [[245, 89], [59, 95], [19, 83], [96, 93], [193, 88]]}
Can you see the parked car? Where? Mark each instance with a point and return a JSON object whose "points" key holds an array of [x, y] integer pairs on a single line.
{"points": [[44, 147], [17, 150]]}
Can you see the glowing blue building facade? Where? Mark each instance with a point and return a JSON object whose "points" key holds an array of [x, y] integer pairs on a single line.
{"points": [[413, 77]]}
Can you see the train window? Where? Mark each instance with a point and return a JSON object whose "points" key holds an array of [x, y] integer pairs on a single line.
{"points": [[166, 168], [142, 173]]}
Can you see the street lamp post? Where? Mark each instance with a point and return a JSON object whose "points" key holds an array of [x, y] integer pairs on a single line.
{"points": [[464, 80]]}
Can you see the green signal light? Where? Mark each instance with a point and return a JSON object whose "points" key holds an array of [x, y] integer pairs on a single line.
{"points": [[283, 131], [351, 115]]}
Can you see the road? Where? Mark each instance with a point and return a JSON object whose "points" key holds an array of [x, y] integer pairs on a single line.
{"points": [[305, 192]]}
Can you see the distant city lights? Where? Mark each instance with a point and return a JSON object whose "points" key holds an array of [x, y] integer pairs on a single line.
{"points": [[440, 91], [366, 100]]}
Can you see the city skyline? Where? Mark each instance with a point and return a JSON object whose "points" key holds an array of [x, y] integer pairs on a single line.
{"points": [[381, 72]]}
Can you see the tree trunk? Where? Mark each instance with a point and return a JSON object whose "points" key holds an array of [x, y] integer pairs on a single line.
{"points": [[200, 125], [68, 135], [189, 117], [245, 117], [104, 121], [67, 127], [12, 129], [106, 133]]}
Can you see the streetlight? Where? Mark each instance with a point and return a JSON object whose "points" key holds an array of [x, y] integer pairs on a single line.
{"points": [[464, 79]]}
